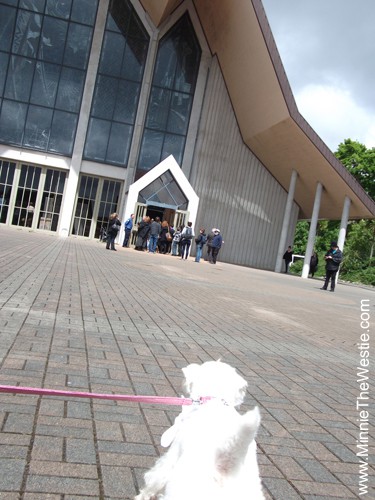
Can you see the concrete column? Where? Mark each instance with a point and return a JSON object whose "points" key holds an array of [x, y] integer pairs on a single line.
{"points": [[75, 165], [343, 226], [312, 231], [344, 223], [286, 222]]}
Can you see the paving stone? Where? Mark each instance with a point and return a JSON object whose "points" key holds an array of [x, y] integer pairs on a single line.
{"points": [[84, 330], [280, 488], [324, 489], [80, 451], [316, 470], [64, 485], [118, 482], [11, 474], [41, 496]]}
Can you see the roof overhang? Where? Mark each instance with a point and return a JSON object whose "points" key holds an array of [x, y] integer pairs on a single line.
{"points": [[239, 35]]}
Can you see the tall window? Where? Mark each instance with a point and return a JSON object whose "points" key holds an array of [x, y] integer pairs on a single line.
{"points": [[118, 86], [171, 98], [7, 170], [44, 51]]}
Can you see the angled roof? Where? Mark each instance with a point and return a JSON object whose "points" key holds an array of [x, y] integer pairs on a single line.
{"points": [[239, 35]]}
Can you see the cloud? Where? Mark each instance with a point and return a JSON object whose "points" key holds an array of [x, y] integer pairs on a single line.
{"points": [[327, 50], [335, 115]]}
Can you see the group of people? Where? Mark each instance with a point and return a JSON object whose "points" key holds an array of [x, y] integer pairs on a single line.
{"points": [[332, 258], [154, 235], [288, 259]]}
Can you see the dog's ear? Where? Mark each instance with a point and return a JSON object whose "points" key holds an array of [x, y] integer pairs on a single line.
{"points": [[191, 373]]}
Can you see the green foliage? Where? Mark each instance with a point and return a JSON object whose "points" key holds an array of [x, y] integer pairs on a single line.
{"points": [[359, 247], [296, 268], [364, 276], [327, 231], [360, 162], [300, 237]]}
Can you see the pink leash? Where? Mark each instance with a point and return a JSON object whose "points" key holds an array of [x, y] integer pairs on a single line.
{"points": [[163, 400]]}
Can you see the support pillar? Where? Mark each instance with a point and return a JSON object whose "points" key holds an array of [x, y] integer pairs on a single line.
{"points": [[286, 222], [344, 223], [75, 165], [343, 227], [312, 231]]}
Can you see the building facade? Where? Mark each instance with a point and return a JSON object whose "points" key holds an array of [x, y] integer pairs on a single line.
{"points": [[95, 93]]}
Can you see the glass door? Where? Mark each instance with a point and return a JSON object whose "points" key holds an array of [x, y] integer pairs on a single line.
{"points": [[51, 200], [140, 210], [26, 197], [109, 202], [7, 170], [181, 218], [83, 216], [97, 199]]}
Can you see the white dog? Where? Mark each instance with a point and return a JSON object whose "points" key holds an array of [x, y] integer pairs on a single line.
{"points": [[212, 452]]}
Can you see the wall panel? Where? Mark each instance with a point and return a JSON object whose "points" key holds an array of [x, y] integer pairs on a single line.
{"points": [[237, 193]]}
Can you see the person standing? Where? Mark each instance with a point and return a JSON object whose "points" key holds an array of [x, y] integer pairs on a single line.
{"points": [[186, 236], [143, 231], [200, 242], [288, 257], [30, 214], [114, 225], [128, 230], [210, 237], [176, 242], [333, 259], [155, 229], [314, 261], [216, 243], [162, 242]]}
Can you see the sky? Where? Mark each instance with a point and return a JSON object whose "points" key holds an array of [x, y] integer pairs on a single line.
{"points": [[328, 51]]}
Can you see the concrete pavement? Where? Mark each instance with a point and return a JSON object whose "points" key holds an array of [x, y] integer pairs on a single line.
{"points": [[76, 316]]}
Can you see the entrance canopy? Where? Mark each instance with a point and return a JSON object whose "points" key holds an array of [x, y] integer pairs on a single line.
{"points": [[165, 186]]}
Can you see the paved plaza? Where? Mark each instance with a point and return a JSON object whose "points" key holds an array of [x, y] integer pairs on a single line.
{"points": [[75, 316]]}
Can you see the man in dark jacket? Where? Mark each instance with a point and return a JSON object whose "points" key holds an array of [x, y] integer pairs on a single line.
{"points": [[288, 258], [333, 259], [216, 243], [155, 230]]}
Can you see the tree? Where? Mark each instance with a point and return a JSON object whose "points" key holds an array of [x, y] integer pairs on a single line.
{"points": [[359, 262], [360, 162]]}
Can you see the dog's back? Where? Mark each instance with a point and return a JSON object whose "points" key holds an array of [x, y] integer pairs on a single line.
{"points": [[212, 451], [216, 455]]}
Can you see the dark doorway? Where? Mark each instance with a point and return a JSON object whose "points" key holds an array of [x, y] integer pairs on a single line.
{"points": [[154, 212], [164, 213]]}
